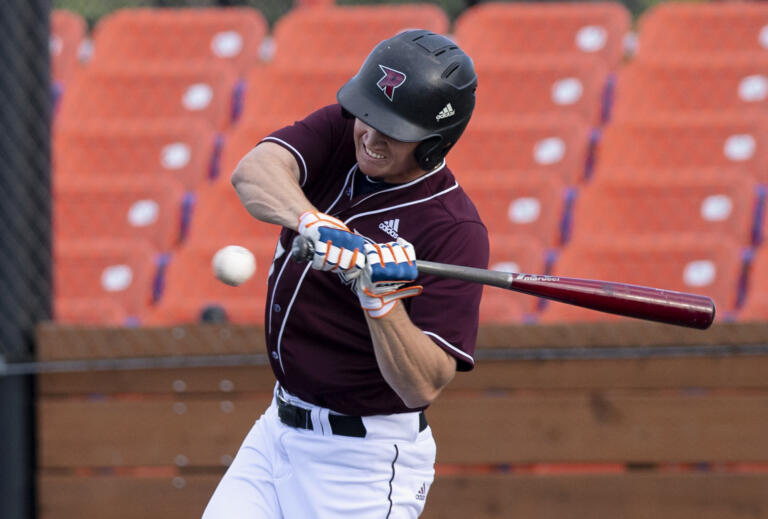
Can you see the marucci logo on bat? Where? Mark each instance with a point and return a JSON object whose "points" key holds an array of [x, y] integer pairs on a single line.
{"points": [[534, 277]]}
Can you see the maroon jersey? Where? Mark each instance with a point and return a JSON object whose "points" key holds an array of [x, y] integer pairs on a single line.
{"points": [[318, 340]]}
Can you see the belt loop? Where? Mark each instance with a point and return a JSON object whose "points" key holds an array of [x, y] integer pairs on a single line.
{"points": [[422, 421]]}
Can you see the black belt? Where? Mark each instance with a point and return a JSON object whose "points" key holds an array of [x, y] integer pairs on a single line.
{"points": [[342, 425]]}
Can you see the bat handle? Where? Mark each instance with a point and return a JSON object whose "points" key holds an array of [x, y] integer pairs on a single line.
{"points": [[302, 249]]}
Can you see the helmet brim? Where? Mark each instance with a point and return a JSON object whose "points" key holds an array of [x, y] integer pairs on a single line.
{"points": [[372, 110]]}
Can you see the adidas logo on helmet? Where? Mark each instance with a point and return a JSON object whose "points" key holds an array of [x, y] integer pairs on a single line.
{"points": [[447, 111]]}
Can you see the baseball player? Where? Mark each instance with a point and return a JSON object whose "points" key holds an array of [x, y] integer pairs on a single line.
{"points": [[361, 344]]}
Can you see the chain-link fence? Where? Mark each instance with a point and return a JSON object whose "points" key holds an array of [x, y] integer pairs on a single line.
{"points": [[25, 196]]}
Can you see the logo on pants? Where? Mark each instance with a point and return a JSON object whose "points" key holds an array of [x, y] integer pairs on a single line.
{"points": [[421, 495]]}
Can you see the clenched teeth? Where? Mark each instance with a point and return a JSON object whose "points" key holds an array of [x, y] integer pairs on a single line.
{"points": [[372, 154]]}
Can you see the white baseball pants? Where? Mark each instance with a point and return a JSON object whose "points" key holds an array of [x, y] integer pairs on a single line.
{"points": [[292, 473]]}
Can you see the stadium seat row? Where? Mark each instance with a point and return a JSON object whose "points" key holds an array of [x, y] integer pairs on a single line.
{"points": [[683, 150], [151, 288]]}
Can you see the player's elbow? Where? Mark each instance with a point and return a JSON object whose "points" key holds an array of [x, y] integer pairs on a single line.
{"points": [[419, 399], [424, 394]]}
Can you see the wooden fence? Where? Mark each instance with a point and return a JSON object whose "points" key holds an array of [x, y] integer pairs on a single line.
{"points": [[622, 420]]}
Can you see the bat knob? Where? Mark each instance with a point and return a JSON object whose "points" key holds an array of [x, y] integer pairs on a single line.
{"points": [[301, 249]]}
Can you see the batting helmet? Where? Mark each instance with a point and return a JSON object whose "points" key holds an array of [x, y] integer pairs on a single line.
{"points": [[417, 86]]}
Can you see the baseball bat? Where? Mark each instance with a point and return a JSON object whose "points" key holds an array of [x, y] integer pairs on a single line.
{"points": [[650, 304]]}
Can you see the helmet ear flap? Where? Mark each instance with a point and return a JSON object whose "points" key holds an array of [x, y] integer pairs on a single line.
{"points": [[430, 152]]}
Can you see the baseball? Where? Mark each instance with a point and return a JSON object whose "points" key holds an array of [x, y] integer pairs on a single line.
{"points": [[233, 265]]}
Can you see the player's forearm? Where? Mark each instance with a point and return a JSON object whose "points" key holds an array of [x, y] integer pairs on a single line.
{"points": [[266, 183], [411, 363]]}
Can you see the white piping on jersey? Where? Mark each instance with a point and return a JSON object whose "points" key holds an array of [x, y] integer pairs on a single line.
{"points": [[274, 288], [343, 189], [303, 162], [298, 285], [400, 186], [454, 186], [452, 347], [288, 311]]}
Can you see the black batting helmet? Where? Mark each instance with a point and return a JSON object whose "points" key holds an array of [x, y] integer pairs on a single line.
{"points": [[417, 86]]}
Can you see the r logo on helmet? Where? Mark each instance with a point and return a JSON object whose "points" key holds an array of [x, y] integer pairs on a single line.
{"points": [[390, 81]]}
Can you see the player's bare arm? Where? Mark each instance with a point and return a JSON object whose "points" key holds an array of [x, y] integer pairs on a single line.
{"points": [[267, 182], [411, 363], [413, 366]]}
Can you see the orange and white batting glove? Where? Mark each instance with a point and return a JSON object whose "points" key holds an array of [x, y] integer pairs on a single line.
{"points": [[336, 248], [388, 267]]}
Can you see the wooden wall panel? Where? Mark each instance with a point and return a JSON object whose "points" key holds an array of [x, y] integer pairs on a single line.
{"points": [[691, 372], [144, 433], [475, 428], [653, 373], [124, 497], [499, 496], [631, 496], [172, 380], [97, 427], [600, 427]]}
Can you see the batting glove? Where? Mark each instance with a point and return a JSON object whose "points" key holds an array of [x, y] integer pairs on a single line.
{"points": [[388, 267], [336, 248]]}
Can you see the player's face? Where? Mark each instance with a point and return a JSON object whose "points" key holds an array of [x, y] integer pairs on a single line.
{"points": [[384, 158]]}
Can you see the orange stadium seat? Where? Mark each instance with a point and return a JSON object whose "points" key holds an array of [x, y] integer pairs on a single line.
{"points": [[660, 145], [189, 286], [756, 302], [231, 36], [529, 207], [152, 92], [703, 28], [512, 253], [346, 34], [242, 138], [690, 84], [286, 94], [68, 31], [556, 147], [121, 271], [218, 212], [494, 29], [707, 265], [100, 150], [91, 311], [537, 85], [687, 202], [131, 209]]}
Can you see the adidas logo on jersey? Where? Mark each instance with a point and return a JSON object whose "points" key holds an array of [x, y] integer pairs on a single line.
{"points": [[447, 111], [390, 227], [421, 495]]}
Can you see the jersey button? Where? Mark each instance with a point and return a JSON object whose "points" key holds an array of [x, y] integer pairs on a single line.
{"points": [[276, 307], [274, 355]]}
